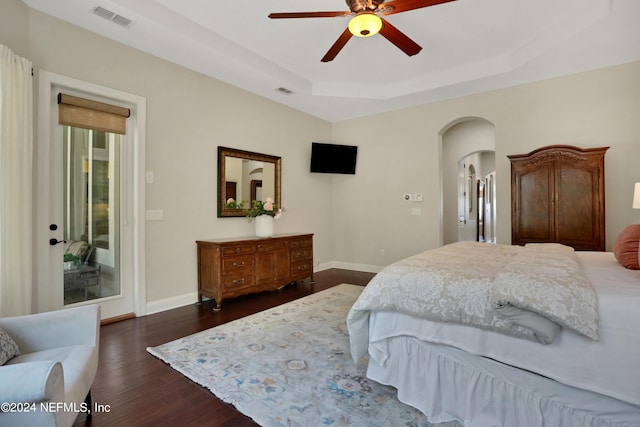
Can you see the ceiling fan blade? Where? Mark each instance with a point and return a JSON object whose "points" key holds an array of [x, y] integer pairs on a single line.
{"points": [[337, 46], [399, 39], [397, 6], [287, 15]]}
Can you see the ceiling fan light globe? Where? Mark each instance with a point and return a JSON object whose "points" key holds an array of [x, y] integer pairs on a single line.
{"points": [[365, 24]]}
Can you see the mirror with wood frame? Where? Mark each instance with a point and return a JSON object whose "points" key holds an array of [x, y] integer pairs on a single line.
{"points": [[244, 176]]}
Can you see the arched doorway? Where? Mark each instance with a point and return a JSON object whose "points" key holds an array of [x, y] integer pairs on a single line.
{"points": [[468, 181]]}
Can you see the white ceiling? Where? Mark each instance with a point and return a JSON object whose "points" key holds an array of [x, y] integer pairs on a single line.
{"points": [[469, 46]]}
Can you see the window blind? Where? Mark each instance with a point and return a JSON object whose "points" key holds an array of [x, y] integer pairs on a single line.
{"points": [[87, 114]]}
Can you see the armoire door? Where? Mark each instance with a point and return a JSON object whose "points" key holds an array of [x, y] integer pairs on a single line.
{"points": [[533, 214], [580, 209]]}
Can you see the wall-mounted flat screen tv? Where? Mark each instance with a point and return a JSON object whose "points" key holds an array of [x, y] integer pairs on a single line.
{"points": [[333, 158]]}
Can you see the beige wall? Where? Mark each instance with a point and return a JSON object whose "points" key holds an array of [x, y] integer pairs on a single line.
{"points": [[14, 28], [399, 152], [360, 221], [188, 116]]}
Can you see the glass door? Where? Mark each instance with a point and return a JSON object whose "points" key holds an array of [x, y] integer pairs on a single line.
{"points": [[91, 207], [89, 199]]}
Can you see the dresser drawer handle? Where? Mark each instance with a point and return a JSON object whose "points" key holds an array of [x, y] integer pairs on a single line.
{"points": [[241, 264], [238, 250], [238, 282]]}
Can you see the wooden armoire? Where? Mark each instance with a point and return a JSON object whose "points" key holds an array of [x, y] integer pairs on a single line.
{"points": [[557, 195]]}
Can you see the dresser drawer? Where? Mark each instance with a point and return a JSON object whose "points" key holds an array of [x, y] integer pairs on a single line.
{"points": [[273, 245], [232, 265], [233, 282], [237, 250], [301, 253], [303, 268], [297, 243]]}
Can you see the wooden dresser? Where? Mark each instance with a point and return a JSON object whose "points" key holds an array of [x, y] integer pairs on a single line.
{"points": [[557, 195], [229, 268]]}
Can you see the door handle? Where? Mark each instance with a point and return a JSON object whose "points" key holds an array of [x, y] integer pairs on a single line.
{"points": [[53, 242]]}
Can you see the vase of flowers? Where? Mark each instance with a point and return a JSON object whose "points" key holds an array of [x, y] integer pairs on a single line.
{"points": [[264, 226], [264, 213]]}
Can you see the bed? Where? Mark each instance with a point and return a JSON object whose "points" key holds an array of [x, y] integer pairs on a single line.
{"points": [[490, 369]]}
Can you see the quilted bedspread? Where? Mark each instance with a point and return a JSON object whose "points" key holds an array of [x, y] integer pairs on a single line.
{"points": [[525, 291]]}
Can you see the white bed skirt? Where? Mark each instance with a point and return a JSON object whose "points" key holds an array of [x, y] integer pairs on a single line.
{"points": [[448, 384]]}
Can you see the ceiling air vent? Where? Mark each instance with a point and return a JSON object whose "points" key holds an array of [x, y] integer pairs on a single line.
{"points": [[121, 20], [101, 11], [284, 90], [113, 17]]}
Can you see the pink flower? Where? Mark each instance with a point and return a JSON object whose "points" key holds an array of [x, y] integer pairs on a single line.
{"points": [[278, 214], [268, 205]]}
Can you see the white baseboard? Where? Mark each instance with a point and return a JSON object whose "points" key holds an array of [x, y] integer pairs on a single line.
{"points": [[348, 266], [192, 297], [322, 267], [173, 302], [367, 268]]}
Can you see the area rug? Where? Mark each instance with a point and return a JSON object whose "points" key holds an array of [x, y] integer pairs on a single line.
{"points": [[291, 366]]}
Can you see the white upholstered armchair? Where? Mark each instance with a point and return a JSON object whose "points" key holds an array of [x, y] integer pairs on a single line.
{"points": [[57, 363]]}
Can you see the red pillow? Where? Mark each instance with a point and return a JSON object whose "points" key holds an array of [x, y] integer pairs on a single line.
{"points": [[626, 247]]}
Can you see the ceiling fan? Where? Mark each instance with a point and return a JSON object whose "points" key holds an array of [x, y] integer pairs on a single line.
{"points": [[367, 22]]}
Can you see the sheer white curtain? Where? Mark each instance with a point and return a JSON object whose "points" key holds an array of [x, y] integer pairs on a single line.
{"points": [[16, 184]]}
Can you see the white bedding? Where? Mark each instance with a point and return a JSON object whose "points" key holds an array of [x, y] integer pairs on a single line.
{"points": [[608, 366], [448, 384], [520, 291]]}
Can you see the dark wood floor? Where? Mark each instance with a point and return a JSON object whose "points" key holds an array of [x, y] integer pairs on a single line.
{"points": [[139, 390]]}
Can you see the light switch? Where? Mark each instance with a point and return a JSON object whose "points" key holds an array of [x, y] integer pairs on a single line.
{"points": [[417, 197], [416, 211], [155, 215]]}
